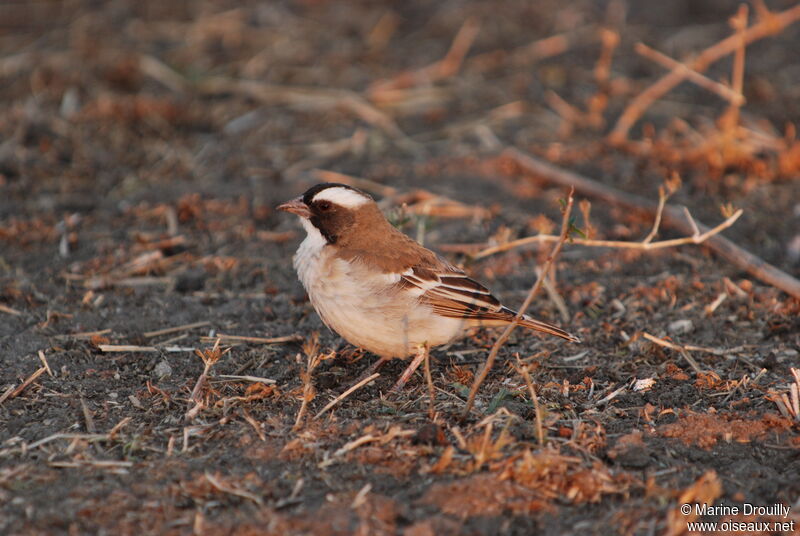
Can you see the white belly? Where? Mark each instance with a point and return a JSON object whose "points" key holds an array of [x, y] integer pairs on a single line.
{"points": [[363, 307]]}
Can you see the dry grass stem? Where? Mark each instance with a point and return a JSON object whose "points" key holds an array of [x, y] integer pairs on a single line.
{"points": [[439, 70], [167, 331], [677, 347], [540, 49], [351, 390], [602, 69], [254, 424], [136, 348], [789, 406], [522, 369], [555, 297], [232, 490], [306, 98], [712, 307], [701, 80], [83, 335], [43, 359], [100, 464], [9, 394], [429, 381], [157, 70], [252, 340], [209, 357], [739, 24], [694, 239], [773, 24], [662, 200], [692, 348], [8, 310], [255, 379], [313, 359], [672, 217], [565, 227]]}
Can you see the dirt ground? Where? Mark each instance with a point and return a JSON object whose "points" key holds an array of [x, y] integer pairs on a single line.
{"points": [[143, 148]]}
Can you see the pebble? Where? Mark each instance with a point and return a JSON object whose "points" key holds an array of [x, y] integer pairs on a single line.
{"points": [[681, 327], [163, 369]]}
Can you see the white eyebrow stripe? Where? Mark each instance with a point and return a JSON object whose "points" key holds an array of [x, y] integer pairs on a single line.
{"points": [[342, 196]]}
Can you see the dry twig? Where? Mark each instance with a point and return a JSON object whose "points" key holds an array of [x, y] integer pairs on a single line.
{"points": [[672, 217], [307, 98], [232, 490], [646, 245], [522, 370], [565, 227], [9, 310], [677, 347], [439, 70], [701, 80], [9, 394], [167, 331], [359, 385], [209, 358], [313, 359], [253, 340], [772, 24]]}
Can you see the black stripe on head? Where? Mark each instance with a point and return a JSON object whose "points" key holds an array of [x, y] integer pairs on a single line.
{"points": [[308, 196]]}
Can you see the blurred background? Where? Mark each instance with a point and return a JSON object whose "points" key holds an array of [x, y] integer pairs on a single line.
{"points": [[115, 101], [145, 143]]}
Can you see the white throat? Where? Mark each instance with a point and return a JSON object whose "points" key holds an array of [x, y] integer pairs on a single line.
{"points": [[305, 260]]}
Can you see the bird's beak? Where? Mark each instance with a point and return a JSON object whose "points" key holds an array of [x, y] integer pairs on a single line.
{"points": [[296, 206]]}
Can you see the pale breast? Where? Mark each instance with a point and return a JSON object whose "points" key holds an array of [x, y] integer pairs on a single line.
{"points": [[368, 308]]}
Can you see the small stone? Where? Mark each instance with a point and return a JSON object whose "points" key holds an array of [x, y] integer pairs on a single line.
{"points": [[163, 370], [681, 327]]}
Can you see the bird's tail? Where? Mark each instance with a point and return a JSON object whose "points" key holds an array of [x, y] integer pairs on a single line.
{"points": [[538, 325]]}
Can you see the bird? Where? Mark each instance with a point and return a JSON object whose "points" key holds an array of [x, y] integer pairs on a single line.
{"points": [[379, 289]]}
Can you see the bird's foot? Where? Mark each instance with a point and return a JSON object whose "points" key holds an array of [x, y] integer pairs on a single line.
{"points": [[420, 356]]}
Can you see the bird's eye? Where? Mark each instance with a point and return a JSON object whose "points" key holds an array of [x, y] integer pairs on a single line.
{"points": [[324, 205]]}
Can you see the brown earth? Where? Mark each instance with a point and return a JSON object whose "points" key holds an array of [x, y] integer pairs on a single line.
{"points": [[139, 179]]}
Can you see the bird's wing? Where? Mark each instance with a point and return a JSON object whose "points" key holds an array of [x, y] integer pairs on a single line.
{"points": [[451, 293]]}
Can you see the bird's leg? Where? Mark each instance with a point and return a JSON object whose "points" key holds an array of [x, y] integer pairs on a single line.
{"points": [[373, 368], [422, 352]]}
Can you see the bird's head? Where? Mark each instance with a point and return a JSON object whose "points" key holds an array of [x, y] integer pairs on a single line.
{"points": [[332, 209]]}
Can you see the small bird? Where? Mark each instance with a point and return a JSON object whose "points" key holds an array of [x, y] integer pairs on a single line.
{"points": [[379, 289]]}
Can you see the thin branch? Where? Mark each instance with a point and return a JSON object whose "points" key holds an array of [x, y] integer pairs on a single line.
{"points": [[429, 381], [306, 98], [673, 217], [565, 226], [672, 346], [9, 310], [255, 340], [770, 25], [739, 23], [231, 490], [695, 229], [439, 70], [620, 244], [313, 359], [662, 200], [359, 385], [167, 331], [701, 80], [522, 369], [8, 395]]}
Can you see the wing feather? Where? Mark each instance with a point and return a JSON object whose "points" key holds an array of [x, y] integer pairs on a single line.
{"points": [[454, 294]]}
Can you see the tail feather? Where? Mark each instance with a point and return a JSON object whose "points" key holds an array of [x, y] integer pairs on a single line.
{"points": [[538, 325]]}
